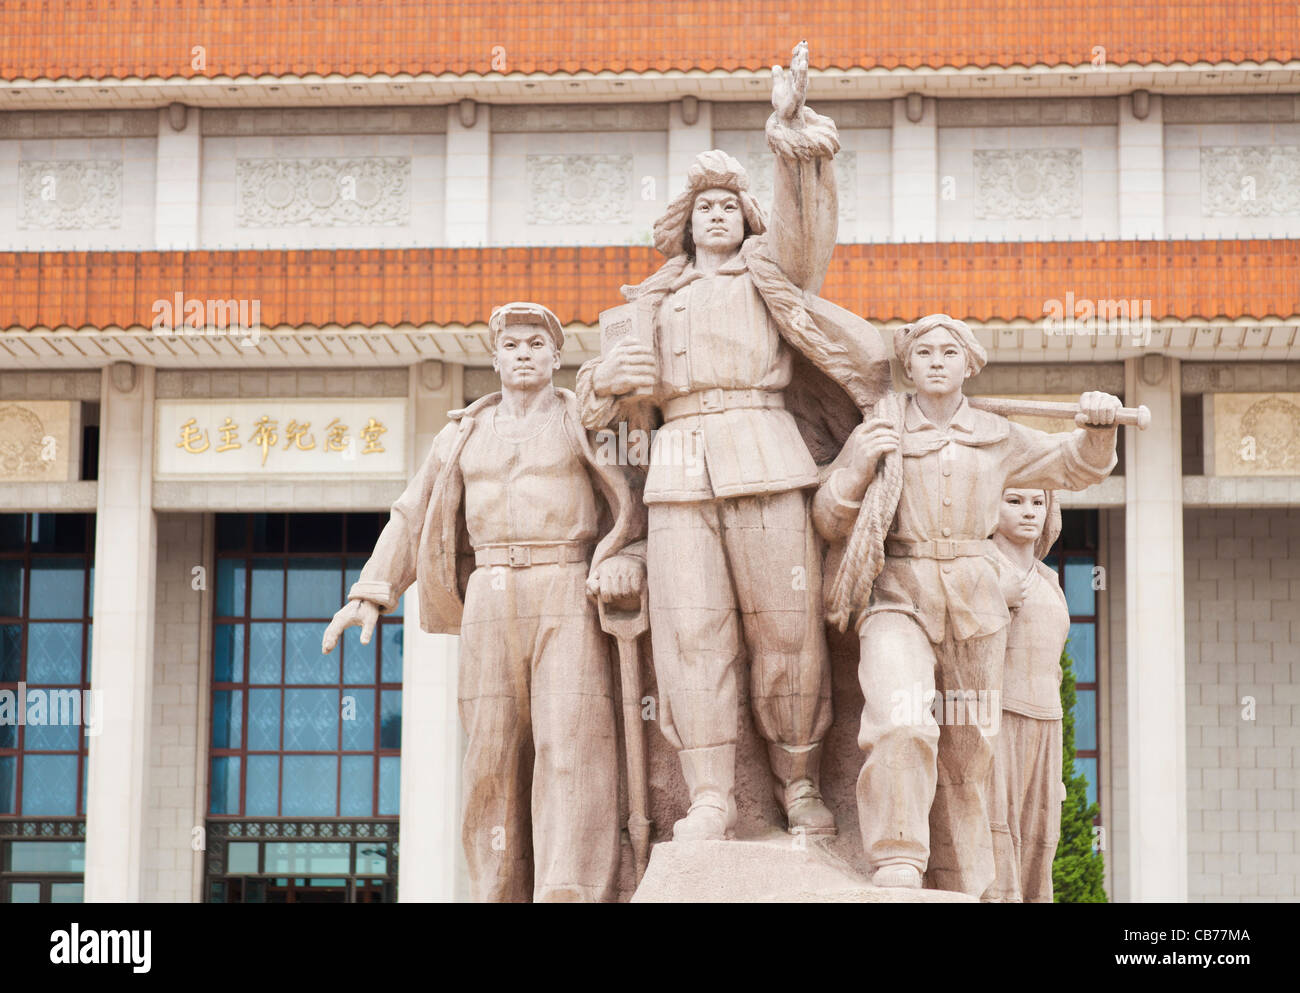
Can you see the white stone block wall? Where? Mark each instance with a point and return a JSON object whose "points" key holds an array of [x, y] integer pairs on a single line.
{"points": [[176, 753], [1271, 160], [426, 192], [1097, 207], [614, 191], [1243, 626], [131, 227]]}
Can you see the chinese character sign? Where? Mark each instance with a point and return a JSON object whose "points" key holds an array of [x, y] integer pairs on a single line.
{"points": [[280, 437]]}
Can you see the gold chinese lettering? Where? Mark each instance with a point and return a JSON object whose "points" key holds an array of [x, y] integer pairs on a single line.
{"points": [[336, 436], [295, 435], [228, 440], [190, 437], [371, 433], [264, 435]]}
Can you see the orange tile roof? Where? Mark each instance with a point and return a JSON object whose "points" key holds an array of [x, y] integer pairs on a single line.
{"points": [[442, 286], [121, 38]]}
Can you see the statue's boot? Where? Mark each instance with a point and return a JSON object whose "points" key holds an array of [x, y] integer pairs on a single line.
{"points": [[899, 875], [797, 769], [710, 775]]}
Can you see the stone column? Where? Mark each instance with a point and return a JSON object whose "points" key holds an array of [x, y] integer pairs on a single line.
{"points": [[176, 182], [123, 637], [914, 153], [690, 132], [432, 866], [1141, 166], [1153, 573], [469, 174]]}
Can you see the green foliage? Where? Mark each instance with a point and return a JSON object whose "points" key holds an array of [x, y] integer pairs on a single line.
{"points": [[1078, 870]]}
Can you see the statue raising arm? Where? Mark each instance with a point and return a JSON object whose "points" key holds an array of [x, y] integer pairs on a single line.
{"points": [[805, 208]]}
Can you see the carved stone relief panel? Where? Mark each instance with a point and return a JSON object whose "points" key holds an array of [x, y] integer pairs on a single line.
{"points": [[761, 168], [579, 189], [1254, 434], [1250, 181], [323, 192], [78, 194], [1028, 184]]}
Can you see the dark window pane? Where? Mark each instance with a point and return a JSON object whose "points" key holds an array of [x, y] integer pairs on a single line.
{"points": [[228, 719], [311, 720], [8, 782], [53, 719], [390, 719], [224, 791], [59, 533], [11, 587], [315, 588], [267, 598], [13, 532], [263, 721], [49, 784], [391, 653], [232, 532], [11, 660], [310, 786], [358, 798], [58, 588], [66, 893], [1079, 593], [268, 532], [1085, 720], [54, 653], [390, 771], [363, 532], [48, 856], [266, 641], [1082, 649], [9, 727], [1088, 767], [90, 593], [228, 654], [372, 858], [358, 659], [303, 660], [315, 532], [358, 714], [24, 892], [263, 786], [230, 587], [352, 573]]}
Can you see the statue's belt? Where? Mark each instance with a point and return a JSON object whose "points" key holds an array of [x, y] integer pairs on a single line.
{"points": [[715, 400], [520, 556], [940, 549]]}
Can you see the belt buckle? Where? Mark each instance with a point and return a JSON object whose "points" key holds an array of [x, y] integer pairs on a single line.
{"points": [[519, 556], [943, 549], [711, 401]]}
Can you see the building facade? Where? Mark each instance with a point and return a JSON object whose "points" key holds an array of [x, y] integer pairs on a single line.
{"points": [[240, 292]]}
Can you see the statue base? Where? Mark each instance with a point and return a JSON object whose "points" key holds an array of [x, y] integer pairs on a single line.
{"points": [[775, 868]]}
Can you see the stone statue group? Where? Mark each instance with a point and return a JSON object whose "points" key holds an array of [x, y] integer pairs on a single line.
{"points": [[820, 496]]}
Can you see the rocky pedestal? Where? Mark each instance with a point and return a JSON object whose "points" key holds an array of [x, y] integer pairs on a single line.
{"points": [[774, 868]]}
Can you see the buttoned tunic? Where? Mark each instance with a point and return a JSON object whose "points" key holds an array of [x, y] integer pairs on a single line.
{"points": [[953, 480]]}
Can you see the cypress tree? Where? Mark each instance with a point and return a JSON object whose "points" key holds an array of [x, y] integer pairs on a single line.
{"points": [[1078, 870]]}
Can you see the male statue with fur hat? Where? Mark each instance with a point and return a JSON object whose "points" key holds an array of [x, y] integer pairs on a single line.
{"points": [[511, 526], [747, 365]]}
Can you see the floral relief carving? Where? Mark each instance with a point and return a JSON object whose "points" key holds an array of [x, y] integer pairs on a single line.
{"points": [[579, 189], [1250, 181], [760, 168], [80, 194], [1028, 184], [323, 192]]}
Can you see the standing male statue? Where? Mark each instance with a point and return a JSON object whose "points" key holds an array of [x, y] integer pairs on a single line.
{"points": [[916, 493], [743, 363], [510, 526]]}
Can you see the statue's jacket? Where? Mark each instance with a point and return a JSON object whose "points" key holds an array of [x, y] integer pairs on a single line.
{"points": [[426, 540]]}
